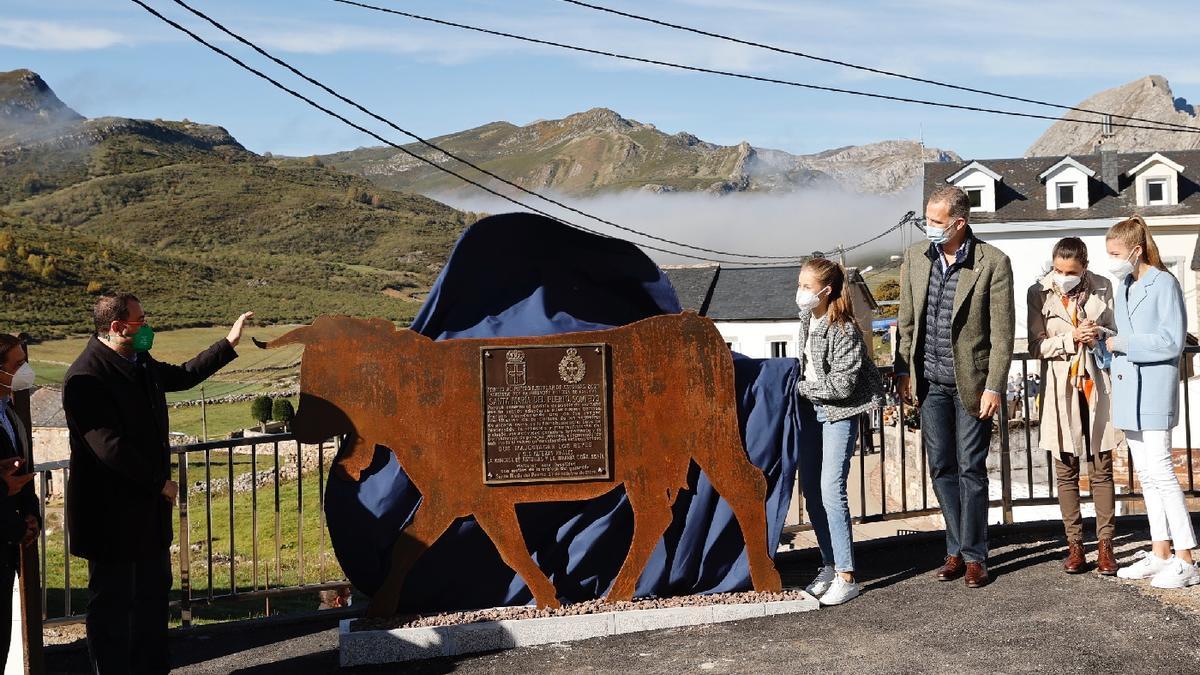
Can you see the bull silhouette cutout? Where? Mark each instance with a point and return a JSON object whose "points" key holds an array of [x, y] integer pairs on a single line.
{"points": [[672, 401]]}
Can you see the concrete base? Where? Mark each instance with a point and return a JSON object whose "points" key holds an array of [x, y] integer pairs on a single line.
{"points": [[358, 648]]}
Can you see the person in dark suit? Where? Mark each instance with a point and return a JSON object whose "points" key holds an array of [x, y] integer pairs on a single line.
{"points": [[20, 518], [120, 495]]}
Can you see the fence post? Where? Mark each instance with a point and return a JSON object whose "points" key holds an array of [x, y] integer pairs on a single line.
{"points": [[28, 567], [1006, 501], [185, 544]]}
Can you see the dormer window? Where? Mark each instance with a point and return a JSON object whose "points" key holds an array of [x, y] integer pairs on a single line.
{"points": [[1156, 181], [1066, 195], [979, 182], [1067, 185]]}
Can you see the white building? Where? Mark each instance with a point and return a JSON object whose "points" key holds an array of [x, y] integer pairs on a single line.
{"points": [[1023, 206], [755, 307]]}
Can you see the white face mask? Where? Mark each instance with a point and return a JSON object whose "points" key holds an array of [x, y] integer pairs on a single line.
{"points": [[22, 379], [1121, 267], [1066, 282], [807, 300]]}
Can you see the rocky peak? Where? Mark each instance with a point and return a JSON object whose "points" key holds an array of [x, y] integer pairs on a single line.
{"points": [[1148, 97], [27, 102]]}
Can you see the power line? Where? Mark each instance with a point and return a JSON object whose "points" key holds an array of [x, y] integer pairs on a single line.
{"points": [[755, 78], [869, 69], [777, 260], [419, 139]]}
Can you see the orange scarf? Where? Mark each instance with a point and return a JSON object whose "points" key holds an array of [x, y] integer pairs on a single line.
{"points": [[1077, 373]]}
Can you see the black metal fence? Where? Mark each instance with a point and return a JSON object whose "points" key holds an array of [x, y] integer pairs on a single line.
{"points": [[198, 529], [229, 569]]}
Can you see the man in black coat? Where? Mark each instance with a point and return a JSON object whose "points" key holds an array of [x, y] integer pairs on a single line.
{"points": [[120, 495], [20, 519]]}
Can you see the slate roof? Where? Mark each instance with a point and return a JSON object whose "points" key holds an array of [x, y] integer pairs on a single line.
{"points": [[742, 293], [693, 285], [1021, 197], [45, 408]]}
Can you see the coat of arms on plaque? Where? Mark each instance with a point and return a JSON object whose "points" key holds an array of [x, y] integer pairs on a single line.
{"points": [[572, 369], [514, 368]]}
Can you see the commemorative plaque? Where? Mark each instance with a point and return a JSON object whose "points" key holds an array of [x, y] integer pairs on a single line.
{"points": [[545, 413]]}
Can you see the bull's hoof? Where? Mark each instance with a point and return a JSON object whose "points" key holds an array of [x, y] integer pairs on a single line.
{"points": [[552, 603], [772, 583]]}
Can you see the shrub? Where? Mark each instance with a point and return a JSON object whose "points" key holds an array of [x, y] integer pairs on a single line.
{"points": [[260, 410], [94, 287], [282, 411]]}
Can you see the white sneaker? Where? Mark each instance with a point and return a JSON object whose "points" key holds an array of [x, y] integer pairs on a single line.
{"points": [[1145, 568], [840, 591], [819, 586], [1177, 574]]}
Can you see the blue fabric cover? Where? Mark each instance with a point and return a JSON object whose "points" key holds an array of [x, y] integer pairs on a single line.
{"points": [[522, 275]]}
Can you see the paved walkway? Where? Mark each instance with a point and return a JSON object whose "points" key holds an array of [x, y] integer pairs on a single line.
{"points": [[1032, 618]]}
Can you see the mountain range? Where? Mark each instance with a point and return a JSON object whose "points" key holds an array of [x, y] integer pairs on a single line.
{"points": [[599, 151]]}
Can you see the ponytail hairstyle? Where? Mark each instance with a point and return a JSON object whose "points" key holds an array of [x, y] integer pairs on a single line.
{"points": [[1133, 233], [831, 274]]}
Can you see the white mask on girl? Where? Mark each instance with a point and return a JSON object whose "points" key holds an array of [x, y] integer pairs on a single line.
{"points": [[807, 300]]}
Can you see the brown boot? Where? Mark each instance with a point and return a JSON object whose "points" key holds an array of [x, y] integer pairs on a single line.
{"points": [[977, 575], [1076, 562], [952, 570], [1106, 562]]}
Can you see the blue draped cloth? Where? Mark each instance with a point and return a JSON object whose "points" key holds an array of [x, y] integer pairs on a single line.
{"points": [[523, 275]]}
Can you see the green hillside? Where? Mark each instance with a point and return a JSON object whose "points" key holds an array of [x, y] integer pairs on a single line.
{"points": [[198, 226]]}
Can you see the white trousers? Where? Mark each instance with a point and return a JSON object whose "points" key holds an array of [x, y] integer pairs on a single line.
{"points": [[1165, 507]]}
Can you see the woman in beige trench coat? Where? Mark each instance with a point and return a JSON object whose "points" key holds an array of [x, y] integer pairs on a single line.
{"points": [[1068, 308]]}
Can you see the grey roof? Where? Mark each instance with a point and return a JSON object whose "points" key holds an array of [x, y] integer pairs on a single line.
{"points": [[1020, 196], [45, 408], [693, 285], [754, 293], [746, 293]]}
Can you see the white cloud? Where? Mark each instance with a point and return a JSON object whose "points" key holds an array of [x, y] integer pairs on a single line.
{"points": [[55, 35]]}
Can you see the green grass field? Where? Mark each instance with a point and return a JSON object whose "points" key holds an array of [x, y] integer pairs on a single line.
{"points": [[255, 371]]}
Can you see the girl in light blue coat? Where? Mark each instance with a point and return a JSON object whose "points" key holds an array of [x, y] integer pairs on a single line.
{"points": [[1151, 324]]}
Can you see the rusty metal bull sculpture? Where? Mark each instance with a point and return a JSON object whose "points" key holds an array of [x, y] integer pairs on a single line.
{"points": [[672, 398]]}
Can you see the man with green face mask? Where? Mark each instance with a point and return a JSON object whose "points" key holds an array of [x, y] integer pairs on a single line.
{"points": [[120, 495]]}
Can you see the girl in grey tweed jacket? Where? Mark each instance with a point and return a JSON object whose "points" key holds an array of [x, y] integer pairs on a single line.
{"points": [[839, 380]]}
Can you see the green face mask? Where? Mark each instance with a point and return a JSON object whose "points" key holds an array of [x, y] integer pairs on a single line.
{"points": [[143, 339]]}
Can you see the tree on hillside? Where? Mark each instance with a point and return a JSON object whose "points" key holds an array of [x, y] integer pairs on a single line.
{"points": [[282, 411], [888, 290], [260, 410]]}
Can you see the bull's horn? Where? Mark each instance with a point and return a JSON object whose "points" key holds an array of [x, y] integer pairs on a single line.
{"points": [[294, 336]]}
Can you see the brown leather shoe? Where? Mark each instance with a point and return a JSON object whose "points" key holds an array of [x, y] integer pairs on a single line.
{"points": [[1076, 562], [977, 575], [952, 570], [1106, 562]]}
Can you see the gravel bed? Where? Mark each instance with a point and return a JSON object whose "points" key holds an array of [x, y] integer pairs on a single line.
{"points": [[574, 609]]}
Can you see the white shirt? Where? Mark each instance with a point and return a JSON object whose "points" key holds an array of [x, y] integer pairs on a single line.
{"points": [[810, 373]]}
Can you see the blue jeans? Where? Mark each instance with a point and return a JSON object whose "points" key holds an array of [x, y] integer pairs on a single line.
{"points": [[823, 473], [956, 442]]}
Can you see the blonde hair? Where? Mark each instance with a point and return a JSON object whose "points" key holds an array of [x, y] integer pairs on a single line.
{"points": [[831, 274], [1133, 232]]}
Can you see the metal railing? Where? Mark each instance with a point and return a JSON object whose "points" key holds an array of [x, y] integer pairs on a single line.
{"points": [[259, 583], [874, 428]]}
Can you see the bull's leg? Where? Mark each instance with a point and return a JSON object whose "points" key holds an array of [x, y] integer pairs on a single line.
{"points": [[500, 524], [744, 488], [651, 516], [427, 525]]}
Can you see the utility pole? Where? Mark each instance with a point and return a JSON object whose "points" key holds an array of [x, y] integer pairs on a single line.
{"points": [[842, 255], [203, 416]]}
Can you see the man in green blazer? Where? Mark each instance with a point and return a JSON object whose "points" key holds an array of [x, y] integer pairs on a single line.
{"points": [[955, 346]]}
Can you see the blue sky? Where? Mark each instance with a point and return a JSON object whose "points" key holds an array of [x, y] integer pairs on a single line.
{"points": [[110, 58]]}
